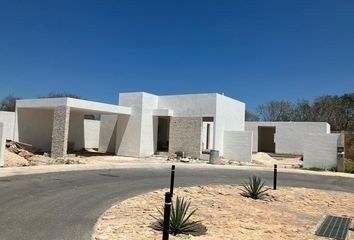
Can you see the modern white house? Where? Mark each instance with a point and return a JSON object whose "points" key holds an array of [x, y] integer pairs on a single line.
{"points": [[143, 124]]}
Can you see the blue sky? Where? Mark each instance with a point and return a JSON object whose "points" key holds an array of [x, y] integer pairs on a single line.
{"points": [[254, 51]]}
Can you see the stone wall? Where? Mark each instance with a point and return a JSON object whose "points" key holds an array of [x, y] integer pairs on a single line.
{"points": [[185, 135], [60, 132], [2, 143], [238, 145]]}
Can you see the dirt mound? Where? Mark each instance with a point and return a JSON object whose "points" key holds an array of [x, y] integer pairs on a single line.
{"points": [[262, 158], [14, 160]]}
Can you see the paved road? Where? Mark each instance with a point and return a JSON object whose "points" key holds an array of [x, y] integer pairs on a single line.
{"points": [[65, 206]]}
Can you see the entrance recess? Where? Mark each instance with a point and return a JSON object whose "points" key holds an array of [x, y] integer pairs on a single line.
{"points": [[163, 134], [266, 139]]}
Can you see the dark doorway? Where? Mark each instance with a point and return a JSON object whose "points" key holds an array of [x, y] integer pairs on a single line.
{"points": [[163, 134], [266, 139]]}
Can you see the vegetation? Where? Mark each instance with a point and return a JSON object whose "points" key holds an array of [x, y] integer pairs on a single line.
{"points": [[349, 166], [180, 222], [254, 188], [338, 111], [8, 103]]}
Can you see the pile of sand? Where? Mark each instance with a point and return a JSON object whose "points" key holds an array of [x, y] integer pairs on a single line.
{"points": [[263, 159], [14, 160]]}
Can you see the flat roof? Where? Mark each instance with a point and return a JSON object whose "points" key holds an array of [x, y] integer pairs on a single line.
{"points": [[74, 104]]}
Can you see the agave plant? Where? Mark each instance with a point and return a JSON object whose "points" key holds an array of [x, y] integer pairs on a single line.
{"points": [[254, 188], [180, 222]]}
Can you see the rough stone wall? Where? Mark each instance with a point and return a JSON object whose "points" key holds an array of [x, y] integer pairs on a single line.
{"points": [[60, 132], [185, 135], [2, 143]]}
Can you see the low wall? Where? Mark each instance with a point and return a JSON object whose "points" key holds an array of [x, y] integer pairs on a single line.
{"points": [[2, 143], [8, 118], [92, 133], [320, 150], [238, 145]]}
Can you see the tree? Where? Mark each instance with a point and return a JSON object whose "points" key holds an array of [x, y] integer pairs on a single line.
{"points": [[8, 103], [275, 111], [249, 116], [61, 95], [302, 111]]}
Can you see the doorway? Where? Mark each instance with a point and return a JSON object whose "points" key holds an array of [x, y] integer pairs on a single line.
{"points": [[266, 139], [163, 134]]}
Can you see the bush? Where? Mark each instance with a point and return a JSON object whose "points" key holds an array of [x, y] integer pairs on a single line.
{"points": [[254, 188], [180, 222], [349, 166]]}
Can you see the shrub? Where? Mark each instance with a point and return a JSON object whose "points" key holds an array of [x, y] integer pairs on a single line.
{"points": [[349, 166], [180, 222], [254, 188]]}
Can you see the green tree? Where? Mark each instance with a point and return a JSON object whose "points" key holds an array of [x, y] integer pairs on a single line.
{"points": [[8, 103]]}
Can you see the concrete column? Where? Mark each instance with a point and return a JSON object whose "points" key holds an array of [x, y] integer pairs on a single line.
{"points": [[60, 132], [2, 143]]}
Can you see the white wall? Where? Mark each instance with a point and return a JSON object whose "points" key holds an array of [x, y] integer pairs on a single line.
{"points": [[35, 127], [8, 118], [289, 136], [92, 133], [238, 145], [108, 132], [76, 130], [189, 105], [230, 116], [2, 143], [320, 150]]}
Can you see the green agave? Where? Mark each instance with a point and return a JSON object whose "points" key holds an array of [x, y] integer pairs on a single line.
{"points": [[180, 222], [254, 188]]}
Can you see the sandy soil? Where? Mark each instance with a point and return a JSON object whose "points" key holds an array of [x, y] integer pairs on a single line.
{"points": [[291, 213]]}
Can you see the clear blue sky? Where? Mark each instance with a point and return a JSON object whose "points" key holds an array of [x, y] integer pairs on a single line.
{"points": [[253, 51]]}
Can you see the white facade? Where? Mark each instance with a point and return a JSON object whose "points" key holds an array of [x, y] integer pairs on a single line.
{"points": [[2, 143], [8, 118], [289, 136]]}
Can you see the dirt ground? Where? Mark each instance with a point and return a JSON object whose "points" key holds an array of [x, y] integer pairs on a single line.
{"points": [[290, 213]]}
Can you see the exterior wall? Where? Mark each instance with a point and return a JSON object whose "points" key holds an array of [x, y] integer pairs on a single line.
{"points": [[230, 116], [60, 133], [289, 136], [2, 143], [91, 133], [185, 135], [76, 131], [189, 105], [238, 145], [35, 127], [320, 150], [108, 133], [8, 118]]}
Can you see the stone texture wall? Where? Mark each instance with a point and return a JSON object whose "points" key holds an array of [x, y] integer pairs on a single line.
{"points": [[185, 135], [60, 132]]}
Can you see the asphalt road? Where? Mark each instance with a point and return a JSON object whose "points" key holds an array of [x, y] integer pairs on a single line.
{"points": [[65, 206]]}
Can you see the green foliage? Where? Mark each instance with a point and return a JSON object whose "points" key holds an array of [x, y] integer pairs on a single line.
{"points": [[254, 188], [349, 166], [180, 222]]}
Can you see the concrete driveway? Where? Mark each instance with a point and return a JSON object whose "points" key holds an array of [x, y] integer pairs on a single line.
{"points": [[66, 205]]}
